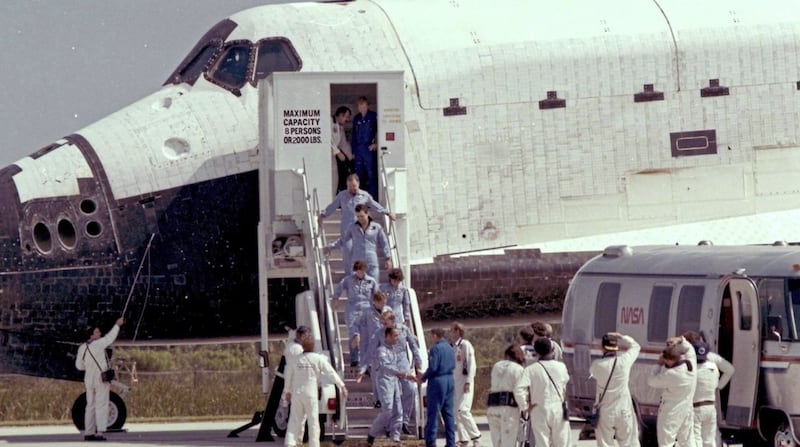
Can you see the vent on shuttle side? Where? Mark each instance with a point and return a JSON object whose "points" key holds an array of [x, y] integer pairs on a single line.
{"points": [[648, 94], [617, 251], [454, 109], [552, 101], [714, 89]]}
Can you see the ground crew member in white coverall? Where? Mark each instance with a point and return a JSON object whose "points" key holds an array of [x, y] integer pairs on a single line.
{"points": [[302, 390], [293, 350], [540, 391], [466, 428], [503, 411], [705, 398], [91, 357], [676, 376], [617, 419]]}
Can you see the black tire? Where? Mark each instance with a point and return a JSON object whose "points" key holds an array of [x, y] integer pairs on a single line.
{"points": [[117, 412], [279, 427], [322, 419]]}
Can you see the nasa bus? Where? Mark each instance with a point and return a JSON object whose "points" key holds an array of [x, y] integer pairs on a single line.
{"points": [[745, 301]]}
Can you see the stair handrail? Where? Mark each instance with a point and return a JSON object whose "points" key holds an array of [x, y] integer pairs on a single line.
{"points": [[324, 287], [394, 252], [322, 275]]}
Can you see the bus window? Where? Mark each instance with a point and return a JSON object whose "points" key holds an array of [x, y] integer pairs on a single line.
{"points": [[776, 310], [745, 312], [690, 303], [605, 316], [658, 316], [793, 286]]}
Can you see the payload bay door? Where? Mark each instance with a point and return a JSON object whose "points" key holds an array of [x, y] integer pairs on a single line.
{"points": [[746, 352]]}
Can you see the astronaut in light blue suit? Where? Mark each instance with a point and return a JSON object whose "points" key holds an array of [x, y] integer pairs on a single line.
{"points": [[367, 237], [347, 201], [359, 288]]}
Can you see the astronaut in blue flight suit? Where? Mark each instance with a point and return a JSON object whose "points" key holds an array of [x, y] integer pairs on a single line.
{"points": [[366, 236], [390, 418], [367, 325], [441, 387], [359, 288], [347, 201], [365, 144], [397, 296], [406, 342]]}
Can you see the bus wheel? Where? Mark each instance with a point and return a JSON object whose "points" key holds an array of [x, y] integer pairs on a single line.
{"points": [[784, 436]]}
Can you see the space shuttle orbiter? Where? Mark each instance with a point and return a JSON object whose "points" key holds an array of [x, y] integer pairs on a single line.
{"points": [[559, 125]]}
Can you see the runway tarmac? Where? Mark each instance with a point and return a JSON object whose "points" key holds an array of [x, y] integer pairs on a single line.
{"points": [[171, 434], [188, 434]]}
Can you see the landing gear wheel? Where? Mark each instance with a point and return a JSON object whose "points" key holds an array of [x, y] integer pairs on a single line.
{"points": [[281, 421], [117, 412], [783, 437]]}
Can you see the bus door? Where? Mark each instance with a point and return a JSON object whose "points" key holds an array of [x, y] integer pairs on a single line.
{"points": [[745, 337]]}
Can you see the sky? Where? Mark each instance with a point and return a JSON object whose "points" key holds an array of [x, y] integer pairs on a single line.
{"points": [[68, 63]]}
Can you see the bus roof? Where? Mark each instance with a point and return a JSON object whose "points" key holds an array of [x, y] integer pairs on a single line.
{"points": [[697, 260]]}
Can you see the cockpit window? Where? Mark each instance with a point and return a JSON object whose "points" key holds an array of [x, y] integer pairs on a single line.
{"points": [[198, 65], [231, 70], [275, 54], [201, 55]]}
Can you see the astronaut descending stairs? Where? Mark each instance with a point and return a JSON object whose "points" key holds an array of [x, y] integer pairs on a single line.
{"points": [[360, 407], [294, 172]]}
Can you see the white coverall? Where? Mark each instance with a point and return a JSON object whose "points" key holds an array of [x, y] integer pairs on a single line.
{"points": [[705, 410], [96, 415], [302, 380], [531, 357], [726, 371], [535, 388], [725, 367], [291, 352], [675, 422], [339, 141], [466, 428], [617, 419], [504, 420]]}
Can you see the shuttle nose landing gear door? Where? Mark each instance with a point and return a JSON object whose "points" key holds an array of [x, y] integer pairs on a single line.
{"points": [[746, 340]]}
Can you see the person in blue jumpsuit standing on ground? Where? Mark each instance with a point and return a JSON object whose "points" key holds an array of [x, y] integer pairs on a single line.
{"points": [[365, 145], [441, 386], [359, 288], [367, 237], [347, 201], [406, 342], [390, 418]]}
